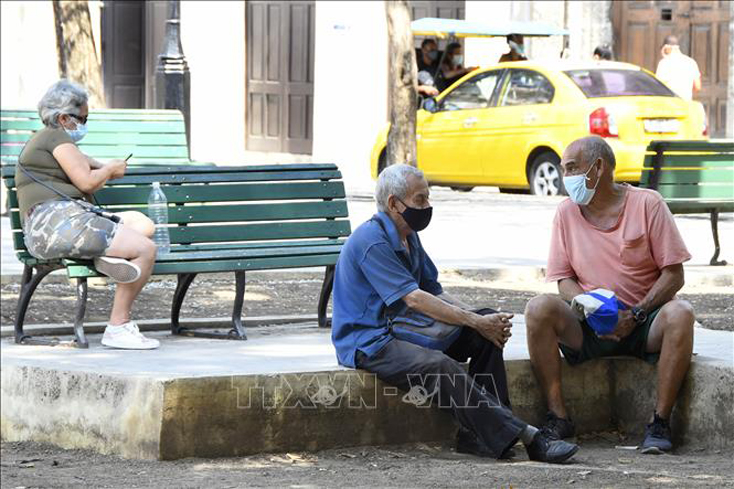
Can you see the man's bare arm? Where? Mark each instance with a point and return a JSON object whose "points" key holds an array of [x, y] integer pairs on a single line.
{"points": [[569, 288], [671, 280], [445, 296], [494, 327]]}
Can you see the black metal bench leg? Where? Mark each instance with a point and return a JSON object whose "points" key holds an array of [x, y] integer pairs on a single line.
{"points": [[184, 281], [28, 285], [238, 331], [715, 230], [81, 309], [326, 288]]}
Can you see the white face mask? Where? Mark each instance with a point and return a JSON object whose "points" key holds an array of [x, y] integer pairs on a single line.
{"points": [[576, 188], [458, 59], [77, 134]]}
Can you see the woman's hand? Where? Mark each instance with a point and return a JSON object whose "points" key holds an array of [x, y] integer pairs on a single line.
{"points": [[117, 168]]}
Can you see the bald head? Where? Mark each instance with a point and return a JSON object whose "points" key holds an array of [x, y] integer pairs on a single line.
{"points": [[670, 41], [589, 149]]}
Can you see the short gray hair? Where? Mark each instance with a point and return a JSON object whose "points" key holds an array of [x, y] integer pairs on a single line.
{"points": [[394, 181], [64, 97], [596, 147]]}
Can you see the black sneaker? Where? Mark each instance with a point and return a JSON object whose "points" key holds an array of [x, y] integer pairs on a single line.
{"points": [[543, 449], [556, 428], [657, 437], [468, 442]]}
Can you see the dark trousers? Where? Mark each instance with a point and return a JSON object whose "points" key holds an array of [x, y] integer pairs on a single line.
{"points": [[478, 400]]}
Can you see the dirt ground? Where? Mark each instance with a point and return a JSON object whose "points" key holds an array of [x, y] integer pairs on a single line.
{"points": [[598, 464], [296, 293]]}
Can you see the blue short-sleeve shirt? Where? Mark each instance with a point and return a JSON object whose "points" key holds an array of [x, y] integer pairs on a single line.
{"points": [[374, 272]]}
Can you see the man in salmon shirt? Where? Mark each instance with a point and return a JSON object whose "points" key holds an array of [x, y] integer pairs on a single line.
{"points": [[621, 238]]}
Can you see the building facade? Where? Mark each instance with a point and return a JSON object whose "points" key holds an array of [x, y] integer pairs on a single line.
{"points": [[284, 81]]}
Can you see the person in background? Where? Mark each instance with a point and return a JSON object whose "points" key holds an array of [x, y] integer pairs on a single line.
{"points": [[603, 52], [678, 71], [56, 227], [517, 49], [427, 57], [452, 67]]}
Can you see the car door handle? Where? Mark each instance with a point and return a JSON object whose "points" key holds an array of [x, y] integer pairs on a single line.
{"points": [[470, 121], [530, 118]]}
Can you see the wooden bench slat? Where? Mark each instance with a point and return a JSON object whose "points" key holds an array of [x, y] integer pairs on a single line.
{"points": [[711, 192], [681, 206], [168, 268], [256, 212], [232, 177], [718, 146], [224, 192], [120, 151], [255, 232], [693, 161], [260, 245], [104, 125], [692, 176]]}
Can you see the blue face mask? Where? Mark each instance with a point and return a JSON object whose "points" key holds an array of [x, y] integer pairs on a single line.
{"points": [[576, 188], [77, 134]]}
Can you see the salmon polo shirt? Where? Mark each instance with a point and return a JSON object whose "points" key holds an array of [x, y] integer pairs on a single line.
{"points": [[627, 258]]}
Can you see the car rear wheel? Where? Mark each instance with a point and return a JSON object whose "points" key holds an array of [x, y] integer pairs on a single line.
{"points": [[545, 175], [462, 189]]}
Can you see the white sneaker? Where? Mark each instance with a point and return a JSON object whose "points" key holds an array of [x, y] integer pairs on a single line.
{"points": [[127, 337], [118, 269]]}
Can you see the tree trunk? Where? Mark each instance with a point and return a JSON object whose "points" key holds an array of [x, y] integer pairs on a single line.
{"points": [[401, 146], [75, 48]]}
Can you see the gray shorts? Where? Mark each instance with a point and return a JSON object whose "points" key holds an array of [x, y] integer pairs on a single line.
{"points": [[63, 229]]}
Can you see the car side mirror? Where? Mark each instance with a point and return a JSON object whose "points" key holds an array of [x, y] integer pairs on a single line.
{"points": [[430, 104]]}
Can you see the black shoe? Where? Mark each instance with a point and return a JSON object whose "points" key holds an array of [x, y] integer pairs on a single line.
{"points": [[657, 437], [556, 428], [543, 449], [468, 442]]}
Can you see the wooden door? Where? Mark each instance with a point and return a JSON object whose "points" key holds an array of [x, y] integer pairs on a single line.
{"points": [[280, 48], [123, 54], [702, 28]]}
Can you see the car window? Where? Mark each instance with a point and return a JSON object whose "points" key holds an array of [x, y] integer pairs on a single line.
{"points": [[474, 93], [527, 87], [616, 83]]}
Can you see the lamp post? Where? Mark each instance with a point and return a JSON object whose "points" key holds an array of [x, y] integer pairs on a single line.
{"points": [[173, 80]]}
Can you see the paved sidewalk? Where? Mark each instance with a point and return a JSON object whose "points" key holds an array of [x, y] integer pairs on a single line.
{"points": [[486, 229]]}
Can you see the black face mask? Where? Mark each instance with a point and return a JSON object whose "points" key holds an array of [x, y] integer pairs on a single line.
{"points": [[416, 219]]}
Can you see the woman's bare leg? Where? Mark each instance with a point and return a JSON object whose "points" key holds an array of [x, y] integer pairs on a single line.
{"points": [[130, 244]]}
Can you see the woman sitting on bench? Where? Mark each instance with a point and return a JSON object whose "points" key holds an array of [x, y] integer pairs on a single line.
{"points": [[55, 183]]}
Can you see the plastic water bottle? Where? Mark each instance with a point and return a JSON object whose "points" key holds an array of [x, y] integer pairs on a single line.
{"points": [[158, 212]]}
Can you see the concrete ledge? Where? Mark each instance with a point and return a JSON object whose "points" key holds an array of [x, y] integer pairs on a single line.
{"points": [[282, 391]]}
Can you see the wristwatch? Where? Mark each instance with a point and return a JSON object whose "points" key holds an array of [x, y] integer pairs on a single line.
{"points": [[639, 314]]}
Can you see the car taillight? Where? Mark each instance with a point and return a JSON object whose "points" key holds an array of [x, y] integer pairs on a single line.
{"points": [[705, 128], [602, 123]]}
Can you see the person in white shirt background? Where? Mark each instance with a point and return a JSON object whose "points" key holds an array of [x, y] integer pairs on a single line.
{"points": [[678, 71]]}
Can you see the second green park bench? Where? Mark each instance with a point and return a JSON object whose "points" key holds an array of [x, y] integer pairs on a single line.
{"points": [[693, 177], [221, 219], [154, 137]]}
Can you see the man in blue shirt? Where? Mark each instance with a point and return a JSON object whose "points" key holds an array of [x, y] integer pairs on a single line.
{"points": [[384, 275]]}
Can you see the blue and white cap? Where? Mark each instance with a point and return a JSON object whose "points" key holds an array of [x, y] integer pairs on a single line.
{"points": [[600, 308]]}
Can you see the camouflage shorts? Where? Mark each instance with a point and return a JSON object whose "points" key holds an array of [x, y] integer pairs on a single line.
{"points": [[63, 229]]}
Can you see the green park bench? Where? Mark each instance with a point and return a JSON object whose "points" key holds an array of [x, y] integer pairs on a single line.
{"points": [[222, 219], [693, 177], [154, 137]]}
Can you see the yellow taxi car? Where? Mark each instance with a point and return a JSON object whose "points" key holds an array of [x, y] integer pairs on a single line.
{"points": [[507, 125]]}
